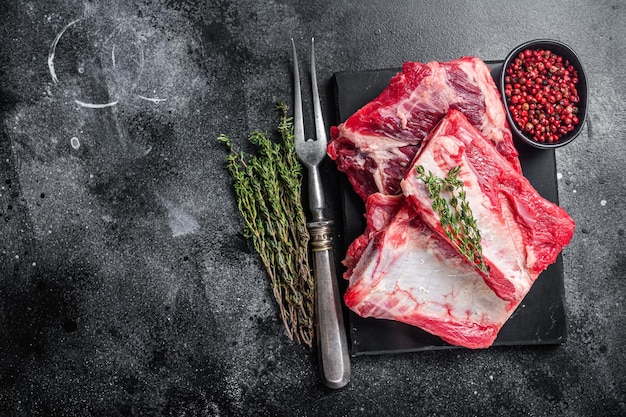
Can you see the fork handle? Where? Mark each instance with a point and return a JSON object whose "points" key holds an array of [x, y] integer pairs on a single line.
{"points": [[331, 336], [316, 195]]}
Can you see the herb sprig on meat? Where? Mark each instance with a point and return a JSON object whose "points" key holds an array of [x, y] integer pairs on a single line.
{"points": [[455, 214]]}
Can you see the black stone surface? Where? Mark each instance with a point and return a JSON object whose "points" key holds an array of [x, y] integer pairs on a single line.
{"points": [[540, 317], [126, 287]]}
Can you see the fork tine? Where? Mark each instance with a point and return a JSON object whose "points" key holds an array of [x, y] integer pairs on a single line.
{"points": [[320, 129], [298, 130]]}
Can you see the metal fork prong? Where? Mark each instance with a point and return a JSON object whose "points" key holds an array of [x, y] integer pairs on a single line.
{"points": [[298, 122], [320, 129]]}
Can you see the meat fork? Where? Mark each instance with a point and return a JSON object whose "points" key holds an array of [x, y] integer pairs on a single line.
{"points": [[331, 337]]}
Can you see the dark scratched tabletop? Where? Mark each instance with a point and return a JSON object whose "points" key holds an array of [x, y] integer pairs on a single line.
{"points": [[126, 287]]}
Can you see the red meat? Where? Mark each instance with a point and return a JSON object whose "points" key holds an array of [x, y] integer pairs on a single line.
{"points": [[522, 233], [376, 145], [408, 273], [404, 267]]}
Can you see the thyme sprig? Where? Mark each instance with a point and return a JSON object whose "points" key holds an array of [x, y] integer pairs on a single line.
{"points": [[449, 200], [268, 192]]}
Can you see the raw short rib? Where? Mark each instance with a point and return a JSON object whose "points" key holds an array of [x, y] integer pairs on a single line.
{"points": [[375, 146], [408, 273], [522, 233]]}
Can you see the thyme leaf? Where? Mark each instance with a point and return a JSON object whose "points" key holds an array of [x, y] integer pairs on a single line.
{"points": [[449, 200], [267, 187]]}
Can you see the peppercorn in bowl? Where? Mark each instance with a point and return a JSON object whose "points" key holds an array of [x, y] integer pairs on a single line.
{"points": [[544, 88]]}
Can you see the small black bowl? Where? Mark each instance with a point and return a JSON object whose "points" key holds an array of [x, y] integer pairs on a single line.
{"points": [[568, 54]]}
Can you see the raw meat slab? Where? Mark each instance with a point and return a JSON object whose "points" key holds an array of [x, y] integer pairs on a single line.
{"points": [[522, 233], [376, 145], [540, 318], [409, 273]]}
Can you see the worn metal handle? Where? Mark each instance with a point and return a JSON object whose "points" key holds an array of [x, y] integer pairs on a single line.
{"points": [[316, 195], [331, 336]]}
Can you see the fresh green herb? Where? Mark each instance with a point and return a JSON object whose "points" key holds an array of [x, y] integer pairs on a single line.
{"points": [[449, 200], [268, 191]]}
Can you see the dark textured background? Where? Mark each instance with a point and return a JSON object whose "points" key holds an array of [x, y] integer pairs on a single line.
{"points": [[126, 287]]}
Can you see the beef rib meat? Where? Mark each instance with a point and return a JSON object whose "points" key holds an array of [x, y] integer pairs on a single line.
{"points": [[408, 273], [521, 232], [404, 267], [375, 146]]}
